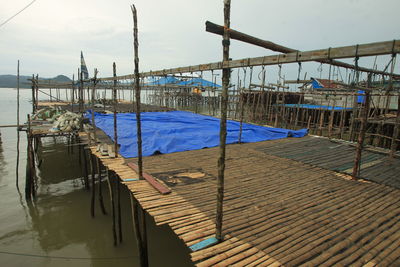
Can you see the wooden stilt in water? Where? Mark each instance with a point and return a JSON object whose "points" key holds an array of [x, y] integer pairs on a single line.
{"points": [[85, 168], [222, 142], [33, 94], [361, 137], [101, 200], [92, 203], [28, 179], [136, 227], [119, 209], [111, 191], [18, 136]]}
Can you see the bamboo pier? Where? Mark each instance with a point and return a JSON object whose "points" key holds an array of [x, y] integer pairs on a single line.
{"points": [[327, 198]]}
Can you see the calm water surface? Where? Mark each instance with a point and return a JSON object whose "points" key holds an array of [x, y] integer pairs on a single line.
{"points": [[57, 229]]}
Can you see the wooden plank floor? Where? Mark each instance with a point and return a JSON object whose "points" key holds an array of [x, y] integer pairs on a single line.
{"points": [[277, 211], [339, 157]]}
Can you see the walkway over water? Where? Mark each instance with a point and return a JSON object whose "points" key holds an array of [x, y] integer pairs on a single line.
{"points": [[278, 209]]}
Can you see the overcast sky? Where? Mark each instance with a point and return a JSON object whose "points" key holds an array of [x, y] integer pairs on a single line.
{"points": [[49, 35]]}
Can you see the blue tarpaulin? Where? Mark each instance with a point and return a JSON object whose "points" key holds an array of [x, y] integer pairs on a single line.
{"points": [[164, 81], [360, 98], [175, 131], [315, 107], [199, 82]]}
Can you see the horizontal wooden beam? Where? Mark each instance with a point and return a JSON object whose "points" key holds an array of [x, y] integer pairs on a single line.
{"points": [[217, 29], [362, 50], [297, 81]]}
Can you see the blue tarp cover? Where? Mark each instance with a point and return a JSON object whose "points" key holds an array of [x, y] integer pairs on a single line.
{"points": [[164, 81], [315, 107], [175, 131], [199, 82]]}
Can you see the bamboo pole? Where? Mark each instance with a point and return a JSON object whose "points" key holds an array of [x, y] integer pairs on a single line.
{"points": [[37, 92], [92, 202], [394, 144], [141, 235], [137, 92], [33, 94], [136, 227], [115, 111], [119, 209], [361, 137], [93, 99], [363, 50], [18, 136], [217, 29], [101, 200], [222, 144], [72, 92]]}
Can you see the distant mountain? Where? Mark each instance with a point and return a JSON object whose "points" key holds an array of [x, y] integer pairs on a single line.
{"points": [[10, 81]]}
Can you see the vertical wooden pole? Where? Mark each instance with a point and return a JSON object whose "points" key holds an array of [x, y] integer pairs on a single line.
{"points": [[101, 200], [72, 93], [80, 92], [111, 191], [119, 208], [331, 119], [37, 91], [141, 237], [92, 203], [137, 91], [224, 102], [115, 110], [18, 137], [93, 99], [85, 167], [361, 137], [395, 136], [33, 94], [136, 227]]}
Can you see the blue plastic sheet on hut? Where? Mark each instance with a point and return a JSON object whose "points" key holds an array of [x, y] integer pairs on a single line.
{"points": [[315, 107], [175, 131]]}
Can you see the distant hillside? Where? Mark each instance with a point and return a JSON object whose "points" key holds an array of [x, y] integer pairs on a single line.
{"points": [[10, 81]]}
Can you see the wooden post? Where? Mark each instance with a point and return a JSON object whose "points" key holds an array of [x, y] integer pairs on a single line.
{"points": [[18, 137], [361, 137], [101, 201], [111, 192], [33, 94], [217, 29], [136, 227], [141, 236], [85, 168], [30, 177], [92, 202], [72, 93], [394, 144], [93, 99], [137, 92], [115, 111], [119, 208], [80, 91], [37, 91], [353, 118], [331, 119], [224, 102]]}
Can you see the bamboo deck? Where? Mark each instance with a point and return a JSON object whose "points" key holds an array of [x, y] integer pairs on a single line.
{"points": [[277, 210]]}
